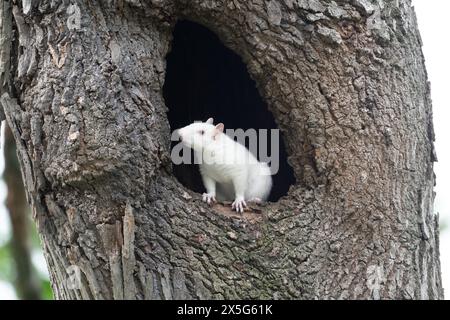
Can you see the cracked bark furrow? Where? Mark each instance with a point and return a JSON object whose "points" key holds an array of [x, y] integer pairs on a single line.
{"points": [[346, 83]]}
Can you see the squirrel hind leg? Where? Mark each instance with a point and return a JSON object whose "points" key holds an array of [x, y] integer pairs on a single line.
{"points": [[255, 200], [259, 189]]}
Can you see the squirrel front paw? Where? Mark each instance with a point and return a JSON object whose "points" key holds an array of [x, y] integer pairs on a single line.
{"points": [[239, 205], [209, 198]]}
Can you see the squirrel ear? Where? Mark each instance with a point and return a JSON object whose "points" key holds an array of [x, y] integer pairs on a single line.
{"points": [[210, 121], [220, 127]]}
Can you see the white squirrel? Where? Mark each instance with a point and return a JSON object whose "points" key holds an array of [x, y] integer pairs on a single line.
{"points": [[228, 169]]}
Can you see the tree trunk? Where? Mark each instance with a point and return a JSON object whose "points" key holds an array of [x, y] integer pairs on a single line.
{"points": [[346, 83]]}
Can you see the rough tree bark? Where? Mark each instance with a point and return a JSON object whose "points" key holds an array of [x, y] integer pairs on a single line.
{"points": [[346, 82]]}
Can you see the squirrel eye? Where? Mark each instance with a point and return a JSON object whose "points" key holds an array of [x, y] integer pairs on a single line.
{"points": [[202, 132]]}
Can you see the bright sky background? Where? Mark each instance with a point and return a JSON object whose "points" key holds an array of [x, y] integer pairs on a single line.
{"points": [[434, 26]]}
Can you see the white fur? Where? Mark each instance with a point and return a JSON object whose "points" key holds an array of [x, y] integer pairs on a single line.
{"points": [[229, 171]]}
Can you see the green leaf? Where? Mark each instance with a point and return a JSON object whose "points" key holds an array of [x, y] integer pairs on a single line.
{"points": [[47, 292], [6, 271]]}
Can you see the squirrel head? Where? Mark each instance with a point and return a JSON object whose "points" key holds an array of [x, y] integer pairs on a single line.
{"points": [[200, 135]]}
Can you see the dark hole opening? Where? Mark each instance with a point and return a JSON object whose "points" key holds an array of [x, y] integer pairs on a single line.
{"points": [[206, 79]]}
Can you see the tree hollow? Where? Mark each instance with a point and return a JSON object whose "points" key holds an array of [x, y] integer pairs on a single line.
{"points": [[206, 79]]}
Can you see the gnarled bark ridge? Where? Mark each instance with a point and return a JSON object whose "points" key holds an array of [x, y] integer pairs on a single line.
{"points": [[346, 83]]}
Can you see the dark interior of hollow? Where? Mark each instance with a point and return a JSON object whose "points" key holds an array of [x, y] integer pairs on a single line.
{"points": [[206, 79]]}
